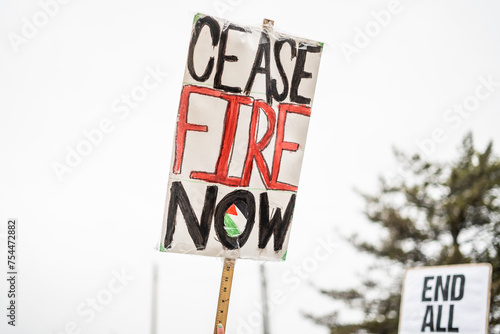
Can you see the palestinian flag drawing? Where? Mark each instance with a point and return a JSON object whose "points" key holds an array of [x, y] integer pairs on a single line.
{"points": [[235, 219]]}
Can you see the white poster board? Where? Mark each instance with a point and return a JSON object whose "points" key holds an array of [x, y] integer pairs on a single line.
{"points": [[449, 299], [241, 131]]}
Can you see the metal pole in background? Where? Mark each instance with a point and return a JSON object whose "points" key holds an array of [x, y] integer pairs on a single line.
{"points": [[154, 299], [265, 308]]}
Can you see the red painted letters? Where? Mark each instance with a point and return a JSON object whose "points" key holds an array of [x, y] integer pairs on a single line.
{"points": [[254, 147]]}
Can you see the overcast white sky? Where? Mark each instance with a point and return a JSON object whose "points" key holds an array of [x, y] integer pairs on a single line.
{"points": [[61, 78]]}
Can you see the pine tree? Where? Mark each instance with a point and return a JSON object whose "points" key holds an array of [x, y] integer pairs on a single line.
{"points": [[433, 214]]}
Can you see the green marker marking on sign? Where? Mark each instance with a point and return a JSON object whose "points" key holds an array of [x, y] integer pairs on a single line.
{"points": [[196, 17]]}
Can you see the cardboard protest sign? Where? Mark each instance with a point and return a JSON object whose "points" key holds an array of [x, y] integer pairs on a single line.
{"points": [[450, 299], [241, 129]]}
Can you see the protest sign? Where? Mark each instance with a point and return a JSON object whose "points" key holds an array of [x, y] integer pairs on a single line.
{"points": [[449, 299], [241, 130]]}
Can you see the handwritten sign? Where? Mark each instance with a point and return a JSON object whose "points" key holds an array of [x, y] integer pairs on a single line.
{"points": [[241, 130], [448, 299]]}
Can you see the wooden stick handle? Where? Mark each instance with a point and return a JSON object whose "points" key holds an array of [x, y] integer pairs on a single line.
{"points": [[224, 293]]}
